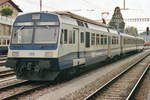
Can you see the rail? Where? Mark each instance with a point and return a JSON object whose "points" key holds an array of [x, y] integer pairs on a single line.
{"points": [[94, 94], [138, 82], [6, 73], [22, 87], [3, 60]]}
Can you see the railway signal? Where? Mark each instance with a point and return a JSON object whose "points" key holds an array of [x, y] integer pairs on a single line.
{"points": [[147, 30]]}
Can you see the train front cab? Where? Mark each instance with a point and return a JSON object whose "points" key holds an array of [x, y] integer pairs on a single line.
{"points": [[33, 51]]}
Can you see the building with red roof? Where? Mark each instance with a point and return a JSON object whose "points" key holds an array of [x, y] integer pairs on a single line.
{"points": [[6, 22], [12, 5]]}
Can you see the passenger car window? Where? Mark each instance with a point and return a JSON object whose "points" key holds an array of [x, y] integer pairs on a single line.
{"points": [[97, 39], [82, 37], [87, 39], [93, 39]]}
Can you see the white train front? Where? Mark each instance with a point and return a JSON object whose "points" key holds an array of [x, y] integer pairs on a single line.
{"points": [[44, 44]]}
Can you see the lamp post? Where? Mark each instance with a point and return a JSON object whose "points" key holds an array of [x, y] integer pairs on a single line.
{"points": [[147, 31], [40, 5], [124, 4]]}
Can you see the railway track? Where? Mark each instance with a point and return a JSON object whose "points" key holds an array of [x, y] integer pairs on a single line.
{"points": [[10, 87], [124, 85], [3, 56], [3, 60], [6, 73], [19, 87]]}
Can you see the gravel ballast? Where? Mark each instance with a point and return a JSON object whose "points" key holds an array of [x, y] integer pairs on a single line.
{"points": [[82, 86]]}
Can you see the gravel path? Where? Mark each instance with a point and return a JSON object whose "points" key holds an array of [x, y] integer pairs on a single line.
{"points": [[82, 85], [144, 90]]}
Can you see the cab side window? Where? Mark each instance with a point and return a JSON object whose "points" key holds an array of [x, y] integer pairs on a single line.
{"points": [[62, 36], [65, 36]]}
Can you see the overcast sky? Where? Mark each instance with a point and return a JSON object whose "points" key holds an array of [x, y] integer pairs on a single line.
{"points": [[89, 8]]}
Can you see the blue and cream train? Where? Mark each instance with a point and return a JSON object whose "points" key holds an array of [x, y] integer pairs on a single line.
{"points": [[43, 44]]}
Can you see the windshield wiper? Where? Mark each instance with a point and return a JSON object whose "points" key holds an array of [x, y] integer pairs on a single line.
{"points": [[48, 27], [21, 28]]}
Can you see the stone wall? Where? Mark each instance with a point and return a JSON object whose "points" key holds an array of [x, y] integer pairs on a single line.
{"points": [[5, 30]]}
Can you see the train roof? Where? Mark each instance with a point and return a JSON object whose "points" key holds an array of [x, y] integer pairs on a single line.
{"points": [[140, 37], [75, 16], [71, 15], [81, 18], [127, 35]]}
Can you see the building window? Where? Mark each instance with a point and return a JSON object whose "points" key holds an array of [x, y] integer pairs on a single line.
{"points": [[8, 42], [4, 42]]}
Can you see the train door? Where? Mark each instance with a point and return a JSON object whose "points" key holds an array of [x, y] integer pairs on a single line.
{"points": [[109, 46], [80, 59], [121, 44], [82, 44]]}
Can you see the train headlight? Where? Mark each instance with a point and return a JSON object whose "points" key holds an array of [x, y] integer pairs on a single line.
{"points": [[15, 53], [48, 54]]}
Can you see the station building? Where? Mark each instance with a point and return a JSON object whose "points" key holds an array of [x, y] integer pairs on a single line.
{"points": [[6, 22]]}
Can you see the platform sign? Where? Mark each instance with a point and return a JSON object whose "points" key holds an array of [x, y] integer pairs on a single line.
{"points": [[147, 30]]}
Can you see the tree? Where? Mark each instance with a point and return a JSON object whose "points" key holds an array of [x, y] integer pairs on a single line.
{"points": [[131, 30], [6, 11], [117, 21]]}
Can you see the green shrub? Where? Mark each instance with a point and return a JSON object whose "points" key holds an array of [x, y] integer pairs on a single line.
{"points": [[6, 11]]}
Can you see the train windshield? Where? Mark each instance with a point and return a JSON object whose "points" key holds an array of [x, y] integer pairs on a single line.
{"points": [[42, 34], [22, 35], [35, 28], [46, 34]]}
